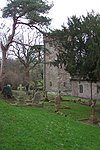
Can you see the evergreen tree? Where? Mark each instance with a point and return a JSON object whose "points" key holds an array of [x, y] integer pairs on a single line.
{"points": [[80, 41]]}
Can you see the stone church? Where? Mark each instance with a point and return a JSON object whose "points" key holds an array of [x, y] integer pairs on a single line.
{"points": [[56, 79]]}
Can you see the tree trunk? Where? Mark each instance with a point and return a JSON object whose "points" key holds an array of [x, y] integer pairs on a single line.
{"points": [[91, 90], [90, 101], [4, 49], [3, 68], [27, 75]]}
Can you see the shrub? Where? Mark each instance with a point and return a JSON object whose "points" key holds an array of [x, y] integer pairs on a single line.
{"points": [[7, 92]]}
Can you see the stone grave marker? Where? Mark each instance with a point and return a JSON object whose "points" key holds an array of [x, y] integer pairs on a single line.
{"points": [[37, 99], [57, 103], [20, 87]]}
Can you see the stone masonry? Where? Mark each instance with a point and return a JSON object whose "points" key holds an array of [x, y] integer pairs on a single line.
{"points": [[57, 79]]}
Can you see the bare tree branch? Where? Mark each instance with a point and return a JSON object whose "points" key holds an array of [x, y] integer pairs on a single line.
{"points": [[32, 26]]}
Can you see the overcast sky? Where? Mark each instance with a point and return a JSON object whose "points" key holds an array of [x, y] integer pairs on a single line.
{"points": [[66, 8]]}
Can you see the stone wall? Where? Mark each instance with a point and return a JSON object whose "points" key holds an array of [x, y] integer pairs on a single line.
{"points": [[56, 77], [86, 91]]}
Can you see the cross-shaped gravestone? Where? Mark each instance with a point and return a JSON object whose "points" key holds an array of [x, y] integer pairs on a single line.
{"points": [[20, 87]]}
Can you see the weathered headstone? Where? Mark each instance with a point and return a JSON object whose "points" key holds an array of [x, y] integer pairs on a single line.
{"points": [[37, 99], [7, 92], [57, 103]]}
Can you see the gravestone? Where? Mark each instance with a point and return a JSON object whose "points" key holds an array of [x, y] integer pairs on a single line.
{"points": [[7, 92], [37, 99], [20, 87], [57, 103]]}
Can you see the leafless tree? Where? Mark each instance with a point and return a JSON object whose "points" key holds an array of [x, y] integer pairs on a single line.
{"points": [[28, 49], [28, 13]]}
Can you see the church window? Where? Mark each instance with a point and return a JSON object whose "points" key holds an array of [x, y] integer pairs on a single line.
{"points": [[98, 89], [50, 83], [64, 84], [81, 88]]}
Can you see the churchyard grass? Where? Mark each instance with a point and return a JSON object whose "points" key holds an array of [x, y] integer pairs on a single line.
{"points": [[68, 97], [78, 111], [30, 128]]}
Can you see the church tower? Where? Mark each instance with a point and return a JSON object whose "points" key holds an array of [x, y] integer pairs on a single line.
{"points": [[56, 79]]}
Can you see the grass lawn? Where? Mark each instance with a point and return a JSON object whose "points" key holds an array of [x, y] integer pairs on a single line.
{"points": [[29, 128], [68, 97]]}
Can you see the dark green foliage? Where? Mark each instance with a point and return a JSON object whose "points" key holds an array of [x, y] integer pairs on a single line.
{"points": [[81, 46], [33, 10], [7, 92]]}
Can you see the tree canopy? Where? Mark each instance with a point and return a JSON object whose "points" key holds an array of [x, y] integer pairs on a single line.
{"points": [[80, 41], [30, 13]]}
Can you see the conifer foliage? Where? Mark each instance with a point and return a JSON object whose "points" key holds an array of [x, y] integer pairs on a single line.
{"points": [[80, 41]]}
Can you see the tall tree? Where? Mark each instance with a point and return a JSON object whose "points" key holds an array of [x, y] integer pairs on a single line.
{"points": [[31, 13], [28, 49], [81, 47]]}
